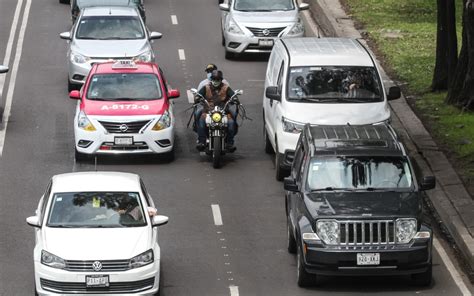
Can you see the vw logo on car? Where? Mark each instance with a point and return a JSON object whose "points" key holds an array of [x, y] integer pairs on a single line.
{"points": [[96, 266]]}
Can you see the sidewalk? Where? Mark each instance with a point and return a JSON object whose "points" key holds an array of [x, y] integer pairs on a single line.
{"points": [[450, 200]]}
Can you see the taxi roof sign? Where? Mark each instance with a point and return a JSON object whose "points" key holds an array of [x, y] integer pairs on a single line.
{"points": [[124, 64]]}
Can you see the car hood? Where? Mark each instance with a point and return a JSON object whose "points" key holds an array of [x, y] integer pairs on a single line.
{"points": [[362, 204], [97, 243], [126, 108], [110, 48], [266, 19], [337, 113]]}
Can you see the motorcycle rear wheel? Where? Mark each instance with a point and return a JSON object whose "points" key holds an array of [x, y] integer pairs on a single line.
{"points": [[217, 152]]}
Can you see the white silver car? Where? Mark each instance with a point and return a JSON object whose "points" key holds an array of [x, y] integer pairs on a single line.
{"points": [[96, 234], [252, 26], [3, 69], [105, 33]]}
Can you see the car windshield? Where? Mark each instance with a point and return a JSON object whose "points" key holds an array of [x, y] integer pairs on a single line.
{"points": [[88, 3], [366, 173], [334, 84], [121, 86], [263, 5], [110, 28], [96, 210]]}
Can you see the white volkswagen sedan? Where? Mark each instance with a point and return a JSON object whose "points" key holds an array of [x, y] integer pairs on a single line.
{"points": [[96, 234]]}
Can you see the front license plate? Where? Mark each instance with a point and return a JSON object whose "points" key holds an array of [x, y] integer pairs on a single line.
{"points": [[368, 258], [123, 140], [265, 42], [97, 281]]}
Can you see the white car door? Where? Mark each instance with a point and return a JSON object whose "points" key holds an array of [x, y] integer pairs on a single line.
{"points": [[274, 107]]}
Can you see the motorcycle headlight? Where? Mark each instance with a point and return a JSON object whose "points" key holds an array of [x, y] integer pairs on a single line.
{"points": [[298, 28], [145, 57], [142, 259], [84, 123], [290, 126], [78, 58], [216, 117], [163, 122], [233, 28], [52, 260], [328, 231], [405, 230]]}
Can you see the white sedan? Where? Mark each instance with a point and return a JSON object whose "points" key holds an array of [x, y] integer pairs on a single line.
{"points": [[3, 69], [96, 234]]}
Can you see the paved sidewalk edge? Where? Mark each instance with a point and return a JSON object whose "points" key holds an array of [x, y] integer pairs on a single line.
{"points": [[450, 196]]}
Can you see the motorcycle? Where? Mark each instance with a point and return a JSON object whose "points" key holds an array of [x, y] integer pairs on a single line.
{"points": [[216, 123]]}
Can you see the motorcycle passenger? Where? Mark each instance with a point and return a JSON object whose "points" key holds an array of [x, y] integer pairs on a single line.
{"points": [[216, 93], [208, 70]]}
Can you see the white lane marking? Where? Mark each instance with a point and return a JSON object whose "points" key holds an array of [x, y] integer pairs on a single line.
{"points": [[181, 54], [11, 85], [216, 212], [8, 50], [234, 290], [256, 80], [190, 97], [174, 19], [452, 270]]}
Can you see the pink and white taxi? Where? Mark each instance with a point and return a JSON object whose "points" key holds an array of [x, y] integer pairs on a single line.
{"points": [[124, 107]]}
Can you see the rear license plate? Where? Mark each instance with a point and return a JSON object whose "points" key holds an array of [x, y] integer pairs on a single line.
{"points": [[123, 140], [97, 281], [265, 42], [368, 258]]}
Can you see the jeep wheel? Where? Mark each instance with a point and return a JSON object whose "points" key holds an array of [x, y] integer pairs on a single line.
{"points": [[304, 278], [291, 245], [423, 279]]}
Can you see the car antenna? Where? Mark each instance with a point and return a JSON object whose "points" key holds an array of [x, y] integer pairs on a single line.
{"points": [[348, 124], [110, 11], [95, 163]]}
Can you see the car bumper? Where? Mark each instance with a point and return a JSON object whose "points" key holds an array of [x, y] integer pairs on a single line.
{"points": [[140, 281], [78, 72], [249, 43]]}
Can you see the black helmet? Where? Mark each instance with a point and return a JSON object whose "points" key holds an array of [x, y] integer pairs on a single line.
{"points": [[210, 68], [217, 75]]}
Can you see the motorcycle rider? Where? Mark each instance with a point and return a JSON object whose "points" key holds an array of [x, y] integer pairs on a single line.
{"points": [[208, 70], [216, 93]]}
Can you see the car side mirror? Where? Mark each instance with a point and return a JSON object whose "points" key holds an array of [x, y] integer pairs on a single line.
{"points": [[289, 184], [33, 221], [428, 182], [303, 6], [65, 35], [173, 93], [159, 220], [272, 93], [394, 93], [224, 7], [3, 69], [155, 35], [75, 95]]}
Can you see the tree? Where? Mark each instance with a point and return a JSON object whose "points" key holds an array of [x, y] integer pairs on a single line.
{"points": [[446, 45], [461, 90]]}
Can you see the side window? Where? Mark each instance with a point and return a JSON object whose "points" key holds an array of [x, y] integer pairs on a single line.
{"points": [[147, 196], [280, 77], [299, 154], [44, 201]]}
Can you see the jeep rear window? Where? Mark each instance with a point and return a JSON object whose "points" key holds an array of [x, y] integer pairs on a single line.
{"points": [[334, 84], [364, 173]]}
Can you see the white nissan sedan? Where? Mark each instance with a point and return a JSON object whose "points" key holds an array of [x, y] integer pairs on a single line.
{"points": [[96, 234]]}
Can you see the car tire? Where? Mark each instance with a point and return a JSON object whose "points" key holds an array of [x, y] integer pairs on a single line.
{"points": [[291, 245], [80, 157], [229, 55], [170, 156], [280, 173], [268, 145], [72, 86], [64, 1], [423, 279], [223, 40], [304, 279]]}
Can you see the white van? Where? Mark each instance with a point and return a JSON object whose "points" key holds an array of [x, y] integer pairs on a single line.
{"points": [[321, 81]]}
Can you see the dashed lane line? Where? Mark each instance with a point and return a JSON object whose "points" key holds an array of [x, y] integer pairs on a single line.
{"points": [[190, 97], [181, 54], [234, 290], [216, 213], [174, 19]]}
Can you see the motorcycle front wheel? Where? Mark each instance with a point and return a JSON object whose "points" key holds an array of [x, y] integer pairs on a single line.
{"points": [[216, 152]]}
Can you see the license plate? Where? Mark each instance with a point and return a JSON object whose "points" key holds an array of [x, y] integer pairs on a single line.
{"points": [[265, 42], [123, 140], [368, 258], [97, 281]]}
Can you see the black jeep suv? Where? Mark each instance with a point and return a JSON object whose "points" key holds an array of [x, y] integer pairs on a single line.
{"points": [[354, 205]]}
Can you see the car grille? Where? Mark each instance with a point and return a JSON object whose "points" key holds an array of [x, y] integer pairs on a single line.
{"points": [[109, 265], [133, 127], [367, 233], [271, 32], [117, 287]]}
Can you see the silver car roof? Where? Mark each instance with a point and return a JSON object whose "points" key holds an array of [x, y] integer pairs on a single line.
{"points": [[313, 51], [110, 10]]}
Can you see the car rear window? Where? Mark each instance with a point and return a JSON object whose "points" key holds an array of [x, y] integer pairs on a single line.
{"points": [[110, 28]]}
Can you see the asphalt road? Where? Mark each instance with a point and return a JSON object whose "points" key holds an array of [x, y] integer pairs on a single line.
{"points": [[244, 256]]}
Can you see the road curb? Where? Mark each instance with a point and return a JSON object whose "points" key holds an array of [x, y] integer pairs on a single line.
{"points": [[450, 200]]}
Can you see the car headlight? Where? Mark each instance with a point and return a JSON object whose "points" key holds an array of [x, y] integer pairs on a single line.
{"points": [[405, 230], [290, 126], [216, 117], [142, 259], [145, 57], [328, 231], [298, 28], [233, 28], [163, 122], [84, 123], [78, 58], [52, 260]]}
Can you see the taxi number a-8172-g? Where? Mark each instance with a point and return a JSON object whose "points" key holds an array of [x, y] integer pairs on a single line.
{"points": [[125, 107]]}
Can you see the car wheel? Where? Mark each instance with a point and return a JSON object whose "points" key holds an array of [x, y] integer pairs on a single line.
{"points": [[229, 55], [80, 156], [170, 156], [71, 86], [304, 278], [64, 1], [223, 40], [268, 145], [281, 173], [291, 238], [423, 279]]}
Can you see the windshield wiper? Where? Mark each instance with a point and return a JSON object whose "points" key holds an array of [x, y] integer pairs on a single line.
{"points": [[123, 99], [330, 189]]}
